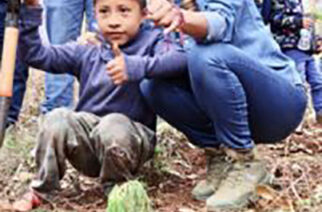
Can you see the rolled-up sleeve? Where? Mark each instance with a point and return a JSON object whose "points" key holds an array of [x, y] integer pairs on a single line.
{"points": [[220, 15]]}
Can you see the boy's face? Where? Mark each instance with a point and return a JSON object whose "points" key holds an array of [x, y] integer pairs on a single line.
{"points": [[119, 20]]}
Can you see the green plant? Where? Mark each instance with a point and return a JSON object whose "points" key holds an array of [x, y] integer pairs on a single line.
{"points": [[129, 197]]}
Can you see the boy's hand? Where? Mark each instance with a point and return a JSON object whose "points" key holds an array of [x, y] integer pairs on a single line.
{"points": [[116, 68], [31, 2]]}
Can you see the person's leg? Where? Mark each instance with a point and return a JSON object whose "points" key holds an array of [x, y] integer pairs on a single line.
{"points": [[246, 101], [63, 22], [112, 148], [60, 138], [172, 99], [314, 78], [299, 58], [122, 147], [19, 87], [309, 71]]}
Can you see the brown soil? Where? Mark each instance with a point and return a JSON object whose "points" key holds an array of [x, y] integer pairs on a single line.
{"points": [[176, 168]]}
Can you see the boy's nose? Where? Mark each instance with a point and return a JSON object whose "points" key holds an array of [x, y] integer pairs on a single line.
{"points": [[114, 25], [114, 22]]}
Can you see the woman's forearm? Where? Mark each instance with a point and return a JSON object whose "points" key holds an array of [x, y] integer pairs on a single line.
{"points": [[195, 24]]}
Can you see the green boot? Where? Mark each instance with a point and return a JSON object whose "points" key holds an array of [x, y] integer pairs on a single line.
{"points": [[239, 186], [216, 164]]}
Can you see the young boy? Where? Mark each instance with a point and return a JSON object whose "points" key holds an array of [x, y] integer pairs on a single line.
{"points": [[294, 33], [111, 132]]}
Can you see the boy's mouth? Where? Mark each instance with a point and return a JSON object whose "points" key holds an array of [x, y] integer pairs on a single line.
{"points": [[115, 34]]}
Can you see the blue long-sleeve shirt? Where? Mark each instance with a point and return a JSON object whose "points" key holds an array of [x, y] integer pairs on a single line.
{"points": [[146, 56], [239, 23]]}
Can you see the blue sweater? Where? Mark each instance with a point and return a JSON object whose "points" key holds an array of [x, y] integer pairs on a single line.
{"points": [[146, 56]]}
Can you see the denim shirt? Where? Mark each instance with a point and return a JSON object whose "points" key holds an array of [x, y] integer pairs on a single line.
{"points": [[146, 56], [239, 23]]}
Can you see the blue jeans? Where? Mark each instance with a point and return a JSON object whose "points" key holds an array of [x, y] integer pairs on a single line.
{"points": [[20, 74], [63, 20], [309, 71], [230, 99]]}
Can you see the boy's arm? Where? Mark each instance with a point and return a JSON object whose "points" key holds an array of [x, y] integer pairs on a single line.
{"points": [[168, 59], [56, 59]]}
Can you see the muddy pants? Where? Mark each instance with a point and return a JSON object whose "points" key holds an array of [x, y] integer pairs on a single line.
{"points": [[112, 148]]}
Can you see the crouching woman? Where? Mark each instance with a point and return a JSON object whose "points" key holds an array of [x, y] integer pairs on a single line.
{"points": [[242, 90]]}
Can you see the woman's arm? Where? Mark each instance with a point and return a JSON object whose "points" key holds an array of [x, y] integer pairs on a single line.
{"points": [[207, 25], [195, 24]]}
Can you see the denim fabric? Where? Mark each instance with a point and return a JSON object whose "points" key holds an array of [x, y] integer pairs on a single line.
{"points": [[173, 100], [233, 99], [20, 75], [243, 89], [244, 28], [19, 88], [309, 71], [63, 21]]}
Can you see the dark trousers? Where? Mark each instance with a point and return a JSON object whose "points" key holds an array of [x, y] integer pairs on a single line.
{"points": [[112, 148]]}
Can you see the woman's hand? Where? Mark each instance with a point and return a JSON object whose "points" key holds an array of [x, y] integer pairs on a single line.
{"points": [[166, 14]]}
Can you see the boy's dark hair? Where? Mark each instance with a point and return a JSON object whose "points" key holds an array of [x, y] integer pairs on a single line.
{"points": [[141, 2]]}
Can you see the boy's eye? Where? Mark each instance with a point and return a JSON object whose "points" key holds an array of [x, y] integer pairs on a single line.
{"points": [[103, 10], [124, 9]]}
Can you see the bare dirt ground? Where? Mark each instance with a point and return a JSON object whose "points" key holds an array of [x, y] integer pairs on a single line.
{"points": [[296, 164]]}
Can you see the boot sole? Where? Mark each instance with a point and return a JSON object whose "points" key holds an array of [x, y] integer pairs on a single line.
{"points": [[202, 197]]}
